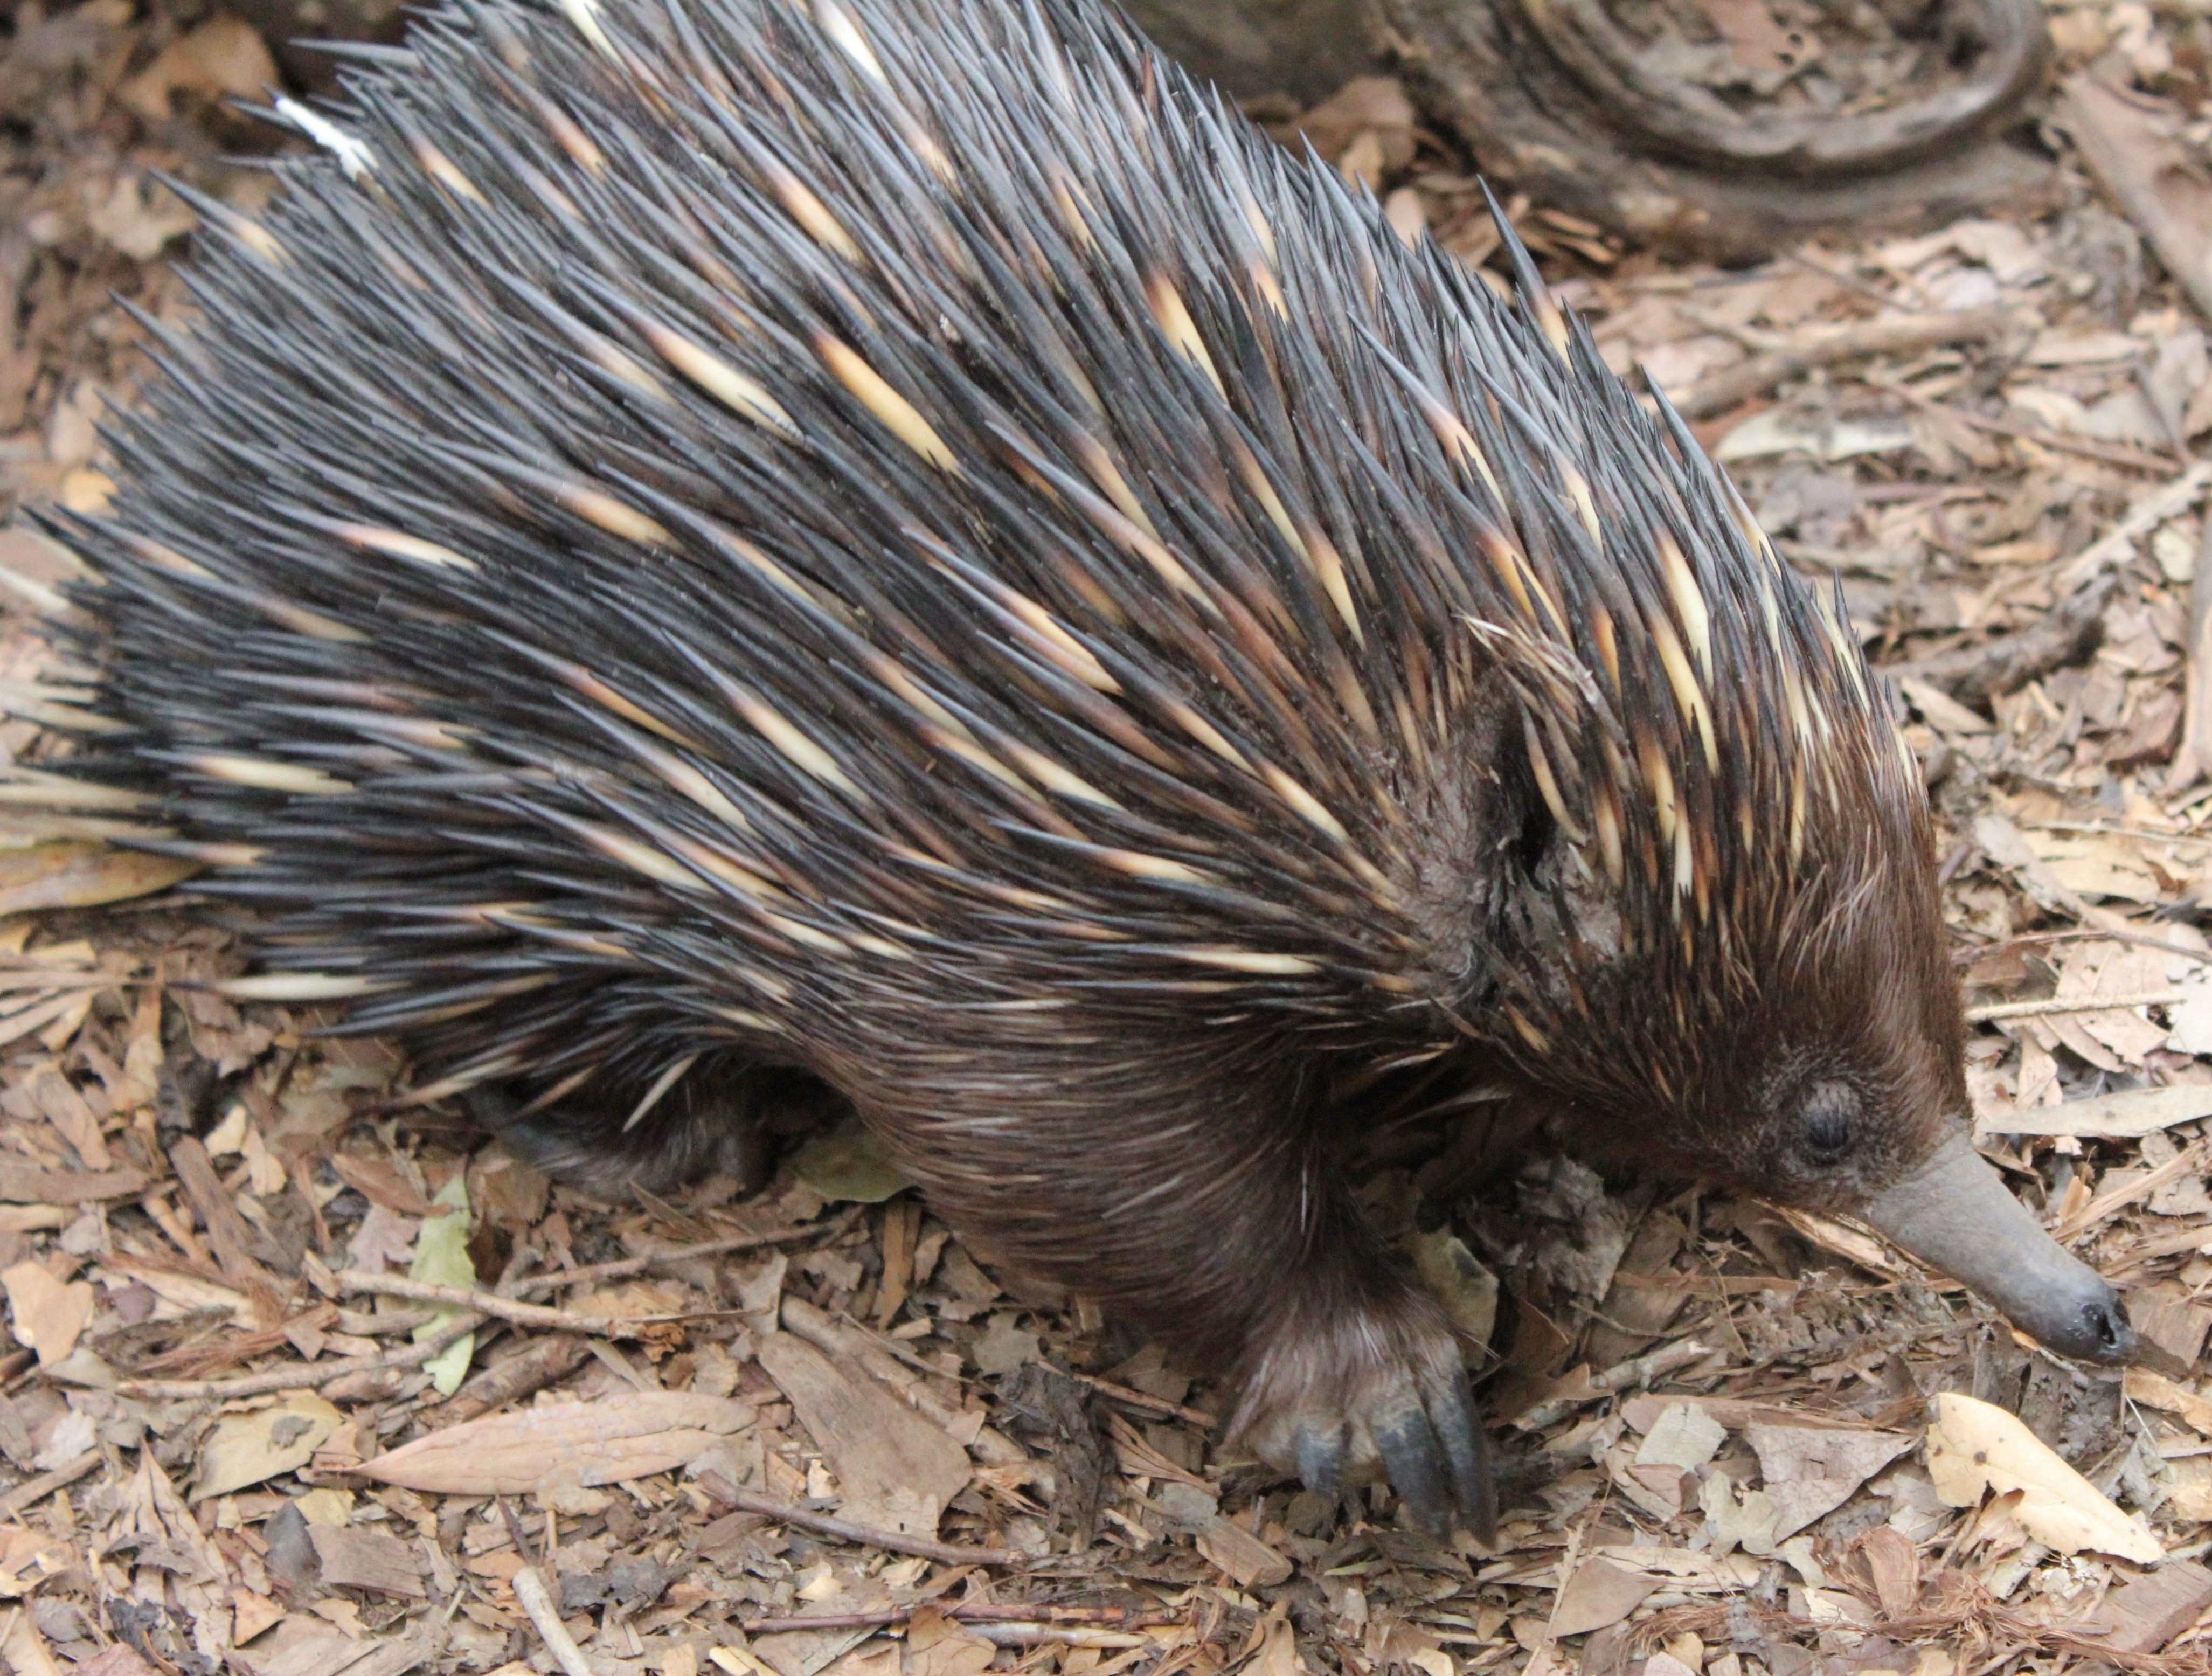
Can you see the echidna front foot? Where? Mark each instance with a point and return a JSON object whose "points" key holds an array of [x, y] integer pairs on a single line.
{"points": [[1374, 1390], [725, 1115]]}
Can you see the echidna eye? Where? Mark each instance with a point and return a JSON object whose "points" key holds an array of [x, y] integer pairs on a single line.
{"points": [[1829, 1117]]}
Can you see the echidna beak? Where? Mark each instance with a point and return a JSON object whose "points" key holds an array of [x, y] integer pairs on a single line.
{"points": [[1954, 1213]]}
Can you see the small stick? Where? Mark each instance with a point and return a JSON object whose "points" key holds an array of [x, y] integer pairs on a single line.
{"points": [[623, 1268], [491, 1303], [947, 1553], [2097, 1210], [29, 1493], [1824, 347], [538, 1605], [2112, 454], [1117, 1618], [1636, 1370], [503, 1382], [1145, 1399], [2148, 998], [302, 1376]]}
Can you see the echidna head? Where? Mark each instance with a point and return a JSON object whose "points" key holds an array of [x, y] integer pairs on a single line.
{"points": [[1724, 955]]}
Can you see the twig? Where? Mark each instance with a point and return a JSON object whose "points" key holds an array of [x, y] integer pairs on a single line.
{"points": [[2148, 998], [2042, 436], [302, 1376], [535, 1600], [2144, 515], [967, 1612], [1144, 1400], [1825, 346], [29, 1493], [536, 1603], [623, 1268], [530, 1370], [2068, 633], [947, 1553], [2097, 1210], [491, 1303], [1636, 1370]]}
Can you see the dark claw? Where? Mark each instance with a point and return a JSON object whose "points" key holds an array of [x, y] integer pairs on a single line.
{"points": [[1416, 1466], [1321, 1463], [1452, 1413]]}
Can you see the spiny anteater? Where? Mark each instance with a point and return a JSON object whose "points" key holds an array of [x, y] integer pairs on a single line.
{"points": [[898, 539]]}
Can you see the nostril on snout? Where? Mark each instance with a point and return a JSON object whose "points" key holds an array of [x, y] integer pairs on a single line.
{"points": [[2107, 1323]]}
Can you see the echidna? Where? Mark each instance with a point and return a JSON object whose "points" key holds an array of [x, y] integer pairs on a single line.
{"points": [[900, 540]]}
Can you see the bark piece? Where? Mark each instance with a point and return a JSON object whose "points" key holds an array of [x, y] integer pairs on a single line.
{"points": [[895, 1470]]}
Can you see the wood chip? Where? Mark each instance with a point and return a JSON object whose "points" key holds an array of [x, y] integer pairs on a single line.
{"points": [[894, 1469], [359, 1557], [2142, 1615]]}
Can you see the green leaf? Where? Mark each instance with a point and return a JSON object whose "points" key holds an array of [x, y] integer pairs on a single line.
{"points": [[442, 1257], [848, 1164]]}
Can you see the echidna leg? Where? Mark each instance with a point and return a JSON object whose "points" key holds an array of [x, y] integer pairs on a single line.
{"points": [[724, 1114], [1192, 1193]]}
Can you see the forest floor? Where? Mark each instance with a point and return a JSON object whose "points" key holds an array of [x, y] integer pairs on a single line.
{"points": [[236, 1429]]}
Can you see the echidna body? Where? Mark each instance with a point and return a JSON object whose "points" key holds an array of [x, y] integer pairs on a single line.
{"points": [[898, 540]]}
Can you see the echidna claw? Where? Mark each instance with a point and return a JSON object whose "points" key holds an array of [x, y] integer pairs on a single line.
{"points": [[1416, 1465], [1452, 1413], [1320, 1462]]}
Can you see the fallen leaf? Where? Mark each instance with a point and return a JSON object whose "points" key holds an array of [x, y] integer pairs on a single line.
{"points": [[1813, 1470], [1976, 1447], [1004, 1346], [360, 1556], [47, 1314], [1250, 1563], [1683, 1436], [630, 1435], [224, 55], [2132, 1113], [441, 1258], [242, 1449], [849, 1165], [252, 1614], [1599, 1593], [936, 1646], [2156, 1391], [72, 873], [28, 1558], [382, 1240], [2142, 1615], [1457, 1279]]}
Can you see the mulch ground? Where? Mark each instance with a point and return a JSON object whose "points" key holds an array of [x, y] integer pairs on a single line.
{"points": [[304, 1381]]}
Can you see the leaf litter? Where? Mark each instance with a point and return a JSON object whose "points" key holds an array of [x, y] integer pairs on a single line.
{"points": [[1734, 1442]]}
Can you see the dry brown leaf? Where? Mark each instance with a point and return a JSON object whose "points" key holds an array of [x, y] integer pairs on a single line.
{"points": [[251, 1614], [936, 1646], [47, 1314], [223, 56], [1813, 1470], [1599, 1593], [1975, 1446], [29, 1559], [242, 1449], [25, 1649], [73, 873], [2156, 1391], [582, 1443]]}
